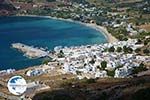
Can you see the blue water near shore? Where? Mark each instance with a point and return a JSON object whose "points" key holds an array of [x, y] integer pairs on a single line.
{"points": [[40, 32]]}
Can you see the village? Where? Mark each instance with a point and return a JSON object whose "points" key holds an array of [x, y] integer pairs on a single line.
{"points": [[129, 57], [93, 61], [118, 60], [108, 60]]}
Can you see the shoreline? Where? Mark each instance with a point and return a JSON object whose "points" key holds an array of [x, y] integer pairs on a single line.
{"points": [[101, 29]]}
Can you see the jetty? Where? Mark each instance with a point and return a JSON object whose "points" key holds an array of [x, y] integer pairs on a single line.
{"points": [[30, 51]]}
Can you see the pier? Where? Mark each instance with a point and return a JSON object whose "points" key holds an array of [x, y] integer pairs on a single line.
{"points": [[30, 51]]}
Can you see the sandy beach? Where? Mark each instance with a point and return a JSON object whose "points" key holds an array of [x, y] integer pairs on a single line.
{"points": [[104, 31], [101, 29]]}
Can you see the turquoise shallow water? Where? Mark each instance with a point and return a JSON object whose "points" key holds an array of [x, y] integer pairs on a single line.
{"points": [[40, 32]]}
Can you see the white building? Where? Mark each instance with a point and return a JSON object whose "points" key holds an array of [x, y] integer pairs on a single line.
{"points": [[100, 74]]}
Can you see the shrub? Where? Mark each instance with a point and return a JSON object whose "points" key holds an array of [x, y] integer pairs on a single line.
{"points": [[89, 81], [111, 73], [139, 69], [103, 64]]}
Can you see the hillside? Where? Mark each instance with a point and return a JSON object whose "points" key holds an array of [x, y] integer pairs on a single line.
{"points": [[6, 7], [102, 89]]}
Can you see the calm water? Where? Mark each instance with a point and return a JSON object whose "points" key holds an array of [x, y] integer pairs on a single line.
{"points": [[40, 32]]}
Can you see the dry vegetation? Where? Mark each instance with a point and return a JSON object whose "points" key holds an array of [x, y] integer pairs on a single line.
{"points": [[146, 27], [101, 89]]}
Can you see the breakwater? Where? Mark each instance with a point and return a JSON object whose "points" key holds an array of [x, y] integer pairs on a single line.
{"points": [[30, 51]]}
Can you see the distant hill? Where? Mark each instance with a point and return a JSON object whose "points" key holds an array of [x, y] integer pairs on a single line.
{"points": [[4, 1], [112, 1], [6, 8]]}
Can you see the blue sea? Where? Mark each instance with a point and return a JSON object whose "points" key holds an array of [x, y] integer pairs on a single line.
{"points": [[40, 32]]}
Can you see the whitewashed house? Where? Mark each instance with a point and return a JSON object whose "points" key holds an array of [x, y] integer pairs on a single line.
{"points": [[101, 74]]}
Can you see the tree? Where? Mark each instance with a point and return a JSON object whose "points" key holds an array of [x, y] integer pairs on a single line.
{"points": [[61, 54], [105, 50], [130, 50], [120, 37], [127, 49], [146, 41], [125, 39], [103, 64], [111, 49], [119, 49], [137, 50], [146, 51]]}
